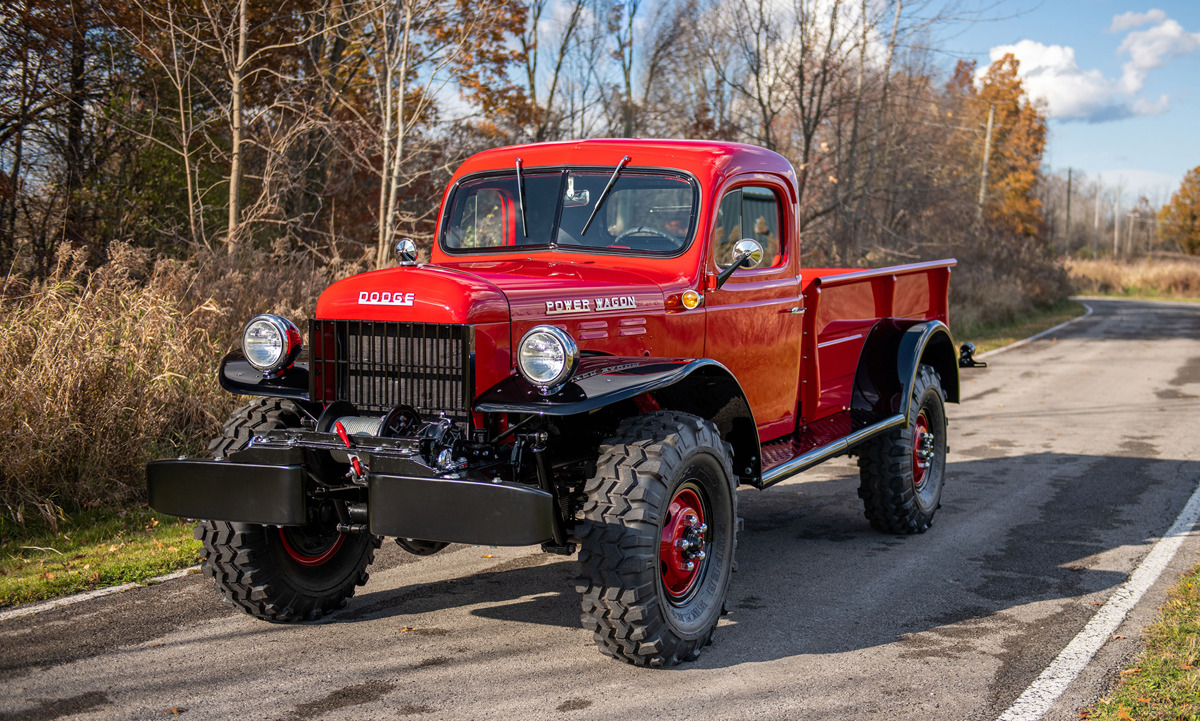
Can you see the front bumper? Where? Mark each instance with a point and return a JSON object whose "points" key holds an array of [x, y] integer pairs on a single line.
{"points": [[405, 498]]}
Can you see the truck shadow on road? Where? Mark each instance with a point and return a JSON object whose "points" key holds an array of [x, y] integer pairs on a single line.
{"points": [[815, 579]]}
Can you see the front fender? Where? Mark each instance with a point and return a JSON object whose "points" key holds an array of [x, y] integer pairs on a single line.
{"points": [[236, 375], [599, 381], [700, 386]]}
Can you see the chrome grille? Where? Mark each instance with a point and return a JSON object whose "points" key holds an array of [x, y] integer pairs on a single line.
{"points": [[378, 365]]}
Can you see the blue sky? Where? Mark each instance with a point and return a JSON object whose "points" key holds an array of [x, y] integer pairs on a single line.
{"points": [[1122, 80]]}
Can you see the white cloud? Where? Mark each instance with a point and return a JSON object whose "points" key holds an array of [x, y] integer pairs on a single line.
{"points": [[1152, 48], [1130, 20], [1051, 72]]}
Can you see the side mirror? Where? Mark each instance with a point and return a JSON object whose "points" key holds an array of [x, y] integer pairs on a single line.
{"points": [[747, 253], [406, 251]]}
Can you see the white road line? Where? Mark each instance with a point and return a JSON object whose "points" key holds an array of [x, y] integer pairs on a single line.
{"points": [[22, 611], [1034, 337], [1042, 693]]}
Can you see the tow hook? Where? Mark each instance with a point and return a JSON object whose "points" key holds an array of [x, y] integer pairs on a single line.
{"points": [[358, 472]]}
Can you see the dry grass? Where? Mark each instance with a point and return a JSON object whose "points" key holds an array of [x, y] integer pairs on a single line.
{"points": [[105, 370], [1157, 276]]}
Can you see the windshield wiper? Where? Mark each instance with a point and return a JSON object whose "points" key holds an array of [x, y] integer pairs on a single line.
{"points": [[604, 194], [521, 198]]}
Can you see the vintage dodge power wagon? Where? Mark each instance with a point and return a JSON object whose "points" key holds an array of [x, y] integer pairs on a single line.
{"points": [[609, 338]]}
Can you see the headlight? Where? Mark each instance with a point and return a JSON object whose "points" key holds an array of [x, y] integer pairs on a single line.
{"points": [[271, 343], [547, 356]]}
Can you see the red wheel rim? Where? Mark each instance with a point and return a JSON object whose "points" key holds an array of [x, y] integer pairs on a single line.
{"points": [[313, 557], [682, 546], [922, 446]]}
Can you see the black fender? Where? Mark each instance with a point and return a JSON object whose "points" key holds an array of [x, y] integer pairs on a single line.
{"points": [[236, 375], [700, 386], [891, 356]]}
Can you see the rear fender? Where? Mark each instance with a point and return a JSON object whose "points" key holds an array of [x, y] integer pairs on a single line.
{"points": [[702, 387], [892, 355]]}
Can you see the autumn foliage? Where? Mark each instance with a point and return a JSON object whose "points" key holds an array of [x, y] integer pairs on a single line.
{"points": [[1179, 220], [1017, 143]]}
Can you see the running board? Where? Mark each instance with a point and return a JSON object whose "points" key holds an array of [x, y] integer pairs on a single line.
{"points": [[812, 457]]}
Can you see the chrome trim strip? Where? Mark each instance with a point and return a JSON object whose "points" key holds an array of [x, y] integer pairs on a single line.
{"points": [[824, 453], [839, 340]]}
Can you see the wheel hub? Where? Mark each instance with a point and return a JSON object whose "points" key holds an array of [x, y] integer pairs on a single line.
{"points": [[684, 543], [309, 549], [923, 449]]}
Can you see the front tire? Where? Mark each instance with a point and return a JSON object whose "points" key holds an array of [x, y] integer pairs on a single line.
{"points": [[657, 539], [902, 472], [281, 574]]}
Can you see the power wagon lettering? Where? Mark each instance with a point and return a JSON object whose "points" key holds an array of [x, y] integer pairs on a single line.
{"points": [[584, 305], [376, 297]]}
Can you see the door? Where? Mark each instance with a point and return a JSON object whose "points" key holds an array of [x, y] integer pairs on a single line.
{"points": [[754, 322]]}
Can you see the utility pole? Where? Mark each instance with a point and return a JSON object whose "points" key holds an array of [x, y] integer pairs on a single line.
{"points": [[1067, 235], [987, 152], [1096, 229], [1117, 222]]}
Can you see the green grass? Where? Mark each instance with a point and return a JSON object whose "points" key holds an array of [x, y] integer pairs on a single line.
{"points": [[1164, 683], [990, 337], [91, 550]]}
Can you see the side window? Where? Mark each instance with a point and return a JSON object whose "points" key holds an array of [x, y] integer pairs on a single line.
{"points": [[749, 212], [484, 220]]}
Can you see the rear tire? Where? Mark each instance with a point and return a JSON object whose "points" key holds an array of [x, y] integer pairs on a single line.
{"points": [[663, 492], [902, 472], [278, 574]]}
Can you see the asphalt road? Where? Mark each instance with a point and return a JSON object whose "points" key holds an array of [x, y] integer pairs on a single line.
{"points": [[1069, 457]]}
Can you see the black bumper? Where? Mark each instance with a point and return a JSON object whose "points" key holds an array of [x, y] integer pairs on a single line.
{"points": [[408, 506], [225, 491]]}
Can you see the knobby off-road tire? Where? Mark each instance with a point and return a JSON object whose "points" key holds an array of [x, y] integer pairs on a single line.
{"points": [[657, 481], [281, 574], [902, 472]]}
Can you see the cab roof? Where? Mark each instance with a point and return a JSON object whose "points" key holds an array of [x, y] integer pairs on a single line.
{"points": [[709, 161]]}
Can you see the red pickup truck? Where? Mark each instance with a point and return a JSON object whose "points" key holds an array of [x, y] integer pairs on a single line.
{"points": [[610, 337]]}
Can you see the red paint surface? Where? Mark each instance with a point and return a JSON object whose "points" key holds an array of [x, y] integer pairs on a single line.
{"points": [[795, 367]]}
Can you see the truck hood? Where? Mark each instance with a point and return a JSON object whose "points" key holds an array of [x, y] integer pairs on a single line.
{"points": [[489, 292], [547, 290], [423, 294]]}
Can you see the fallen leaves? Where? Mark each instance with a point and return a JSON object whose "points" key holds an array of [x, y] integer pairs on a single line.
{"points": [[1123, 714], [174, 711]]}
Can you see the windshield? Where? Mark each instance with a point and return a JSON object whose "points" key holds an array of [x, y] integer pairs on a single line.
{"points": [[643, 212]]}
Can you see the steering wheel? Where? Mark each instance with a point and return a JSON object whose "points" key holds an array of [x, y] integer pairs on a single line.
{"points": [[644, 230]]}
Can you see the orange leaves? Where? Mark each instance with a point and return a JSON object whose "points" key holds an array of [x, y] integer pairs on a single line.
{"points": [[1179, 220]]}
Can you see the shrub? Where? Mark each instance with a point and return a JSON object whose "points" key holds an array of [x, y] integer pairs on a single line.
{"points": [[104, 371], [1002, 279]]}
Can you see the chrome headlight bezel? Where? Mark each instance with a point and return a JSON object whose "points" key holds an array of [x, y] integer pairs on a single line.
{"points": [[566, 364], [287, 343]]}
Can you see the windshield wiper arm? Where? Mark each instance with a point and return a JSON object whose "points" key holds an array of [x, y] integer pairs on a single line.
{"points": [[604, 194], [521, 197]]}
